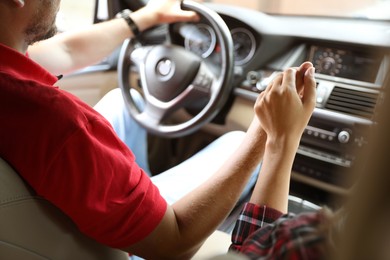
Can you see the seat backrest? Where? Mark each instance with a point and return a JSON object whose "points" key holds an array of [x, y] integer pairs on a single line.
{"points": [[32, 228]]}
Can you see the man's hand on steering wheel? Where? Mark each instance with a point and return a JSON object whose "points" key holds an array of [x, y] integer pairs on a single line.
{"points": [[166, 11]]}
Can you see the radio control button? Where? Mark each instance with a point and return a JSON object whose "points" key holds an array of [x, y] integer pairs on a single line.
{"points": [[344, 137]]}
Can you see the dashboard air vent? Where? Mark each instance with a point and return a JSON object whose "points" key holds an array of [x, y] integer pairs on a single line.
{"points": [[352, 102]]}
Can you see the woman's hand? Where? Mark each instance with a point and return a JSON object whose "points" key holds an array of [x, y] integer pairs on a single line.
{"points": [[285, 107]]}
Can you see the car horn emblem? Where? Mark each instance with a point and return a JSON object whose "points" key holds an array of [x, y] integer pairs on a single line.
{"points": [[165, 67]]}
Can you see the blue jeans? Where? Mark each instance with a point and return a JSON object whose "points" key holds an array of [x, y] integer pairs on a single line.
{"points": [[179, 180]]}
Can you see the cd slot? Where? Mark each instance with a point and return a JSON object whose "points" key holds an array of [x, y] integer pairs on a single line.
{"points": [[320, 170], [323, 156]]}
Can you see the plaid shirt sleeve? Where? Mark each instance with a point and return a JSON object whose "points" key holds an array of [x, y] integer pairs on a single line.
{"points": [[265, 233], [252, 218]]}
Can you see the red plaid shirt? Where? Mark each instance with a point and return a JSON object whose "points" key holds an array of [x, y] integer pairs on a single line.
{"points": [[265, 233]]}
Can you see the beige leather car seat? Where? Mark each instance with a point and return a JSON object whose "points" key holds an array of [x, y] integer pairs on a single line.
{"points": [[32, 228]]}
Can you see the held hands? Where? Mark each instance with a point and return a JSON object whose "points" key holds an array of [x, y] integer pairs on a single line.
{"points": [[285, 107]]}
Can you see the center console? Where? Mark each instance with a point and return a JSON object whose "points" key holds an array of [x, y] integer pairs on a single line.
{"points": [[348, 89]]}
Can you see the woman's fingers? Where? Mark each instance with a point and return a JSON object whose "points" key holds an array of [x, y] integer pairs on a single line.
{"points": [[309, 90], [289, 78], [300, 75]]}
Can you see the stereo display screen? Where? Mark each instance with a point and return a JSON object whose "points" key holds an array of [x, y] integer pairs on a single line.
{"points": [[347, 64]]}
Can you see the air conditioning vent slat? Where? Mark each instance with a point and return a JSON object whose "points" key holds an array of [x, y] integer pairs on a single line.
{"points": [[357, 100], [352, 92], [353, 112], [349, 103], [352, 102]]}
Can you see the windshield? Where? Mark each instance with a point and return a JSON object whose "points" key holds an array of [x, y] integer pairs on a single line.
{"points": [[75, 13], [368, 9]]}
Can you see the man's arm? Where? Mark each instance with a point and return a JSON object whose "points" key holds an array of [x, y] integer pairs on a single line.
{"points": [[188, 222], [69, 51]]}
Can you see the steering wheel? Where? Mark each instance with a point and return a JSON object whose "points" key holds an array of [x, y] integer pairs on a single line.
{"points": [[172, 78]]}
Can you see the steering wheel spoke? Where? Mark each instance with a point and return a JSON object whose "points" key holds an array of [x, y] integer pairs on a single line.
{"points": [[150, 116], [204, 80], [139, 54]]}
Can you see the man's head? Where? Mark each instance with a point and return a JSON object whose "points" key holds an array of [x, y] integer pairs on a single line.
{"points": [[24, 22]]}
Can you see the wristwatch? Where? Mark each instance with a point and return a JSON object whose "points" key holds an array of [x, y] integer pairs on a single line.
{"points": [[125, 14]]}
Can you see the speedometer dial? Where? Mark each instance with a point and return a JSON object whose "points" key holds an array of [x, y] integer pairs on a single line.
{"points": [[244, 45], [200, 39]]}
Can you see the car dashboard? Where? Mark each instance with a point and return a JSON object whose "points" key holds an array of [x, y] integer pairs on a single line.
{"points": [[351, 57]]}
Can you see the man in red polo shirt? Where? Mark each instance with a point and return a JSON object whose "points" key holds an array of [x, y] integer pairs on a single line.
{"points": [[70, 154]]}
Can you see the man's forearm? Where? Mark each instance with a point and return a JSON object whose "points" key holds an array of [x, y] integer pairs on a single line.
{"points": [[192, 219], [76, 50], [203, 210]]}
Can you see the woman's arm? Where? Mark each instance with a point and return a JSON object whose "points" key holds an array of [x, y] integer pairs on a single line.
{"points": [[70, 51], [284, 109]]}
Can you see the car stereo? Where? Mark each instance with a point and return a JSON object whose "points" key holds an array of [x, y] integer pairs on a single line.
{"points": [[329, 146]]}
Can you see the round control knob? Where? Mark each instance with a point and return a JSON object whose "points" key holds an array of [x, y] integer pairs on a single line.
{"points": [[344, 137], [253, 77]]}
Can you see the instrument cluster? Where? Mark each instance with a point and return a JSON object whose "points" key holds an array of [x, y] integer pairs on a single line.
{"points": [[200, 39]]}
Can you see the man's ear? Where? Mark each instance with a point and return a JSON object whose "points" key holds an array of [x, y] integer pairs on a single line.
{"points": [[19, 3]]}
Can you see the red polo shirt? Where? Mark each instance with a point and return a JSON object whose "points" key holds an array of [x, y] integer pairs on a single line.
{"points": [[71, 156]]}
